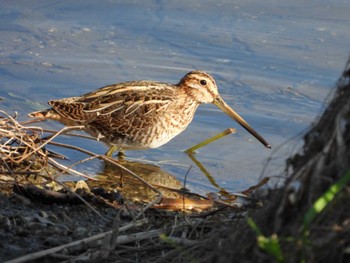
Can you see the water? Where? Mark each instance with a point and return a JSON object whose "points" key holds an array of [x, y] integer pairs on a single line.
{"points": [[275, 63]]}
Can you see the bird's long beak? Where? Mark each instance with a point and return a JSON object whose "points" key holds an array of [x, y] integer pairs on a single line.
{"points": [[234, 115]]}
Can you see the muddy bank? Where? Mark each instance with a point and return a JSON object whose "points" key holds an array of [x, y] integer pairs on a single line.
{"points": [[28, 226]]}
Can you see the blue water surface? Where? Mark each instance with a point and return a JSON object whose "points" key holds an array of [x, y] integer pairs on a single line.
{"points": [[275, 63]]}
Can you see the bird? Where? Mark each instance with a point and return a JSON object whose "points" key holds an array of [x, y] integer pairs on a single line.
{"points": [[142, 114]]}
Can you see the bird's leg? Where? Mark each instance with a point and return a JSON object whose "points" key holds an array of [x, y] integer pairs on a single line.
{"points": [[111, 150], [121, 155]]}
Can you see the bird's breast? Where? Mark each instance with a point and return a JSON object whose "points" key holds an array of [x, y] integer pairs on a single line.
{"points": [[170, 124]]}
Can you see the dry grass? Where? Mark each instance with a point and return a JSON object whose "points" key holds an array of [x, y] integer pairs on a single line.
{"points": [[20, 148]]}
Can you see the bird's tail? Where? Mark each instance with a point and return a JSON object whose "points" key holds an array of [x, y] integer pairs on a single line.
{"points": [[44, 114], [51, 114]]}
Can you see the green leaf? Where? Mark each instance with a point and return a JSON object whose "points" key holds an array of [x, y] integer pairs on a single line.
{"points": [[270, 244], [321, 203]]}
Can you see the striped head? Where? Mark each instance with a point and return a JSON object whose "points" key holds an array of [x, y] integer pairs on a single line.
{"points": [[200, 86]]}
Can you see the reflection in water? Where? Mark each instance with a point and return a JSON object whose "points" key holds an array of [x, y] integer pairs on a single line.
{"points": [[211, 179], [115, 178], [191, 153]]}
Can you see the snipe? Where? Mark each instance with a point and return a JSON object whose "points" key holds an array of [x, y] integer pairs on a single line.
{"points": [[141, 114]]}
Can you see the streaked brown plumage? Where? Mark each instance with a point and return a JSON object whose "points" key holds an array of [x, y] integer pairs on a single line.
{"points": [[141, 114]]}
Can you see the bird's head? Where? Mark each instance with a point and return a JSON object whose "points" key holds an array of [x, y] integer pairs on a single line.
{"points": [[201, 87]]}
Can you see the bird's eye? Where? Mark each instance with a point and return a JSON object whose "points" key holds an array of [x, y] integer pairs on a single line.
{"points": [[203, 82]]}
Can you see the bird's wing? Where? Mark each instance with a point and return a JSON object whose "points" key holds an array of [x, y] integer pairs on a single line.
{"points": [[139, 97]]}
